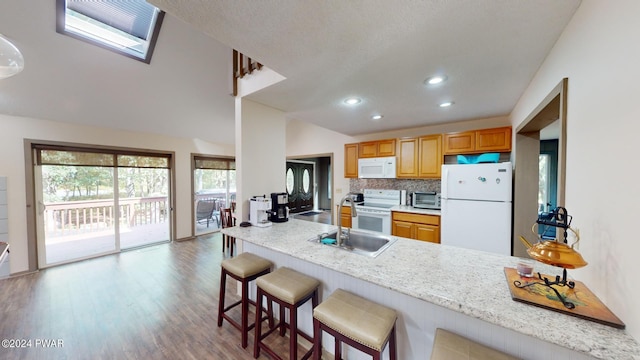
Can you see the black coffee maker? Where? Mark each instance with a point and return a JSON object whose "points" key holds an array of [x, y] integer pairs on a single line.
{"points": [[279, 209]]}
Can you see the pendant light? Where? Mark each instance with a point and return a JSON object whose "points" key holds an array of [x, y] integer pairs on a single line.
{"points": [[11, 60]]}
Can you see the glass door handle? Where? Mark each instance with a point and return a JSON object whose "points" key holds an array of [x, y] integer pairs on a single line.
{"points": [[41, 207]]}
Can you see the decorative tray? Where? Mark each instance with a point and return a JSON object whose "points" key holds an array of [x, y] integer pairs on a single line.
{"points": [[587, 304]]}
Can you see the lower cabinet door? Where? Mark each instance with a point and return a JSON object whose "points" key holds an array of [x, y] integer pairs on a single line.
{"points": [[402, 229], [428, 233]]}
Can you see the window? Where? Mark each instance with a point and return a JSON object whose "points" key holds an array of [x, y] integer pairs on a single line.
{"points": [[127, 27], [544, 183]]}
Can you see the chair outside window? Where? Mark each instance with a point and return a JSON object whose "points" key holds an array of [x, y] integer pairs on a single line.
{"points": [[205, 211]]}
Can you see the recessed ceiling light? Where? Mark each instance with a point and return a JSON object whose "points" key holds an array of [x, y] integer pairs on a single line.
{"points": [[446, 104], [434, 80], [376, 117], [352, 101]]}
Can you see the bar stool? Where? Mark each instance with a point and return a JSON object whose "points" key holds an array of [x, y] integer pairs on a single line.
{"points": [[451, 346], [245, 267], [289, 289], [357, 322]]}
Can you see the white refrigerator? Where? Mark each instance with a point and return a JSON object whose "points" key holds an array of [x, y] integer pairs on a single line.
{"points": [[476, 206]]}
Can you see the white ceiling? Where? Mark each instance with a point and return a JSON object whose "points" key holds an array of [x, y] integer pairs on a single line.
{"points": [[379, 50]]}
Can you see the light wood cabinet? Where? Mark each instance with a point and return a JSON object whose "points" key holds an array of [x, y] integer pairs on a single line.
{"points": [[421, 227], [429, 156], [498, 139], [378, 148], [460, 142], [479, 141], [351, 160], [345, 216], [419, 157], [407, 162]]}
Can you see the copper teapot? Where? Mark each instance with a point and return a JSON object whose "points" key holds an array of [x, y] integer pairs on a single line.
{"points": [[555, 253]]}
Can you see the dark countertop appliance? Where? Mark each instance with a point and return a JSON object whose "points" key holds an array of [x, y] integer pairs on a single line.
{"points": [[426, 200], [279, 209], [358, 198]]}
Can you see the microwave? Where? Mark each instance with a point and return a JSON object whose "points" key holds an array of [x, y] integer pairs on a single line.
{"points": [[377, 168], [426, 200]]}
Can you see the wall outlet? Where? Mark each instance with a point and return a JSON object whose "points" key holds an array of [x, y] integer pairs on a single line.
{"points": [[338, 190]]}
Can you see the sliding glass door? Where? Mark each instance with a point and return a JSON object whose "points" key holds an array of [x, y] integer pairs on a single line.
{"points": [[96, 203], [214, 184]]}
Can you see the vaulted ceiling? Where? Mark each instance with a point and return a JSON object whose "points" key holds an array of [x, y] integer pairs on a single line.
{"points": [[378, 50]]}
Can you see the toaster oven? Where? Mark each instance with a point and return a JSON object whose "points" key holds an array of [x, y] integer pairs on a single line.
{"points": [[426, 200]]}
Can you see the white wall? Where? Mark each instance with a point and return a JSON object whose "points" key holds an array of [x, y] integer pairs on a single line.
{"points": [[307, 139], [260, 152], [599, 53], [12, 165]]}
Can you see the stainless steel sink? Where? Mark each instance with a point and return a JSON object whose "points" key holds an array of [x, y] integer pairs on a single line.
{"points": [[359, 242]]}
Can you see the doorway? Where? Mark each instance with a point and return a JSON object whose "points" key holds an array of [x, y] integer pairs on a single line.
{"points": [[300, 177], [214, 188], [547, 182], [323, 183], [93, 202], [547, 121]]}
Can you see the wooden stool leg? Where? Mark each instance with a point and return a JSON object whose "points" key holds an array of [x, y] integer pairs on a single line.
{"points": [[282, 323], [317, 340], [223, 284], [293, 332], [245, 313], [393, 351], [223, 240], [258, 326], [269, 313], [338, 349]]}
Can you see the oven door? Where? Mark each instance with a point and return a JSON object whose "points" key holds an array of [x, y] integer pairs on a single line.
{"points": [[372, 220]]}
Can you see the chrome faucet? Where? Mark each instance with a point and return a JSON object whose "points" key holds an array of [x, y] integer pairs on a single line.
{"points": [[340, 237]]}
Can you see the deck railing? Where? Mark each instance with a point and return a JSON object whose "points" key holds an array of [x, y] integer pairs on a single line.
{"points": [[94, 215], [76, 217]]}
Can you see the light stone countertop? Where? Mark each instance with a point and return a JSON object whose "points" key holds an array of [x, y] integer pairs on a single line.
{"points": [[411, 209], [466, 281]]}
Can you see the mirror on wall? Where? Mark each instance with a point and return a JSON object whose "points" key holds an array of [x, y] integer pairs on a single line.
{"points": [[540, 165]]}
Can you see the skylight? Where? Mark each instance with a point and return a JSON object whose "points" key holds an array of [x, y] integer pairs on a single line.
{"points": [[127, 27]]}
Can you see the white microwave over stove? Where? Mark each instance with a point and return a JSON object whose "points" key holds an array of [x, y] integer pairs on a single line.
{"points": [[377, 168]]}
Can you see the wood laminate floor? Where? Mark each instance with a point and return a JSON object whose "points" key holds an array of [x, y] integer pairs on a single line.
{"points": [[158, 302], [323, 217]]}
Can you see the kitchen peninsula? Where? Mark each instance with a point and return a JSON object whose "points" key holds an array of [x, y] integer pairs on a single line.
{"points": [[430, 286]]}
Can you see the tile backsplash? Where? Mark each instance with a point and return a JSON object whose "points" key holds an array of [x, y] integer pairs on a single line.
{"points": [[411, 185]]}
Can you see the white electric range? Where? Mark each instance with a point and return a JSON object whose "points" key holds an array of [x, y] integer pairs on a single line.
{"points": [[375, 212]]}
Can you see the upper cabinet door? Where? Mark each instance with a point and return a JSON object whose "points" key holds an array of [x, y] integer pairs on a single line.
{"points": [[378, 148], [498, 139], [351, 160], [368, 149], [479, 141], [430, 156], [459, 143], [407, 164], [387, 148]]}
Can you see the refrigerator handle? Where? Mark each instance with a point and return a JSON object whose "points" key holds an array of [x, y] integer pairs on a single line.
{"points": [[443, 187]]}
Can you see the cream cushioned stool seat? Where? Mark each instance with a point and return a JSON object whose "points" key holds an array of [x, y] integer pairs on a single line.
{"points": [[290, 290], [246, 264], [245, 267], [363, 324], [450, 346]]}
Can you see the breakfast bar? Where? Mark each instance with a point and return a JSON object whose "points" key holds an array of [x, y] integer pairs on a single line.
{"points": [[435, 286]]}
